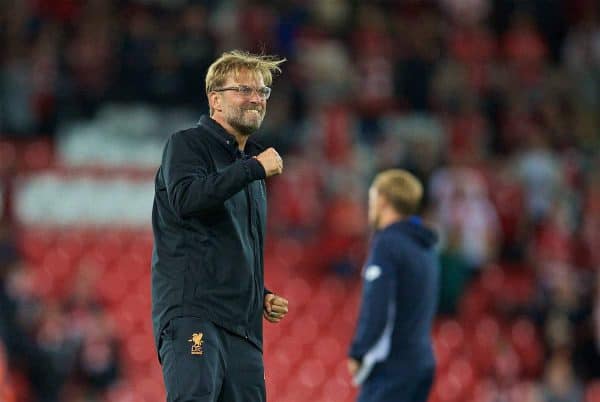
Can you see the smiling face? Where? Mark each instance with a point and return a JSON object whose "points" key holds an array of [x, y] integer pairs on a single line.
{"points": [[232, 109]]}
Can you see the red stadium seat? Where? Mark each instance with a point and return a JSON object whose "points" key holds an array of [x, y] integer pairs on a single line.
{"points": [[35, 243], [73, 243], [299, 292], [447, 389], [8, 155], [290, 348], [464, 376], [484, 343], [306, 330], [58, 262], [140, 349], [507, 366], [474, 304], [451, 333], [295, 390], [311, 373], [443, 354], [527, 345], [484, 391], [592, 392], [337, 389], [122, 392], [37, 155], [112, 287], [329, 350]]}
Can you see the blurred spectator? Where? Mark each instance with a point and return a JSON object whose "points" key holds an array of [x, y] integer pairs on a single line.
{"points": [[98, 361], [560, 384], [56, 350], [524, 48], [417, 51], [463, 211], [7, 391], [89, 55], [373, 52], [540, 172], [581, 53], [138, 46], [196, 49]]}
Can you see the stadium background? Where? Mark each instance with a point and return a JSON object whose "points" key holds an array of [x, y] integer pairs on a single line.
{"points": [[494, 104]]}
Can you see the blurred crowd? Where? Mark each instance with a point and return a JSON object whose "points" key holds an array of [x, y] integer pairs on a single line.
{"points": [[54, 350], [493, 104]]}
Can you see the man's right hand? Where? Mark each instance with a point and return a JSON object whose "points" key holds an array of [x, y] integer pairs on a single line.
{"points": [[270, 161]]}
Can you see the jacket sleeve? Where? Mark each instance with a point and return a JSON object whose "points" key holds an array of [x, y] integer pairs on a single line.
{"points": [[190, 186], [377, 303]]}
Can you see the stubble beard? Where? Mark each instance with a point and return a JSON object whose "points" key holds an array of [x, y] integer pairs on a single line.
{"points": [[244, 123]]}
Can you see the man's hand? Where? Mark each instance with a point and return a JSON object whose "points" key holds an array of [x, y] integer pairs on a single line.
{"points": [[275, 308], [271, 162], [353, 366]]}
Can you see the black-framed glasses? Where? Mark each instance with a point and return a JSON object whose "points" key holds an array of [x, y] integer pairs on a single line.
{"points": [[246, 91]]}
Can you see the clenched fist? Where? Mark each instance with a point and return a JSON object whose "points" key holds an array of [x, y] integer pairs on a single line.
{"points": [[271, 162]]}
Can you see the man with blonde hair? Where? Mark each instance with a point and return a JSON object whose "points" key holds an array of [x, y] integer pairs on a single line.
{"points": [[209, 221], [391, 355]]}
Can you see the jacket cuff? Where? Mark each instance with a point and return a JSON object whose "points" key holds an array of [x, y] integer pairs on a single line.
{"points": [[355, 352], [356, 357], [255, 169]]}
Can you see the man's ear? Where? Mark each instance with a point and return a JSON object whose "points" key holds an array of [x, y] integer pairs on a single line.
{"points": [[214, 100]]}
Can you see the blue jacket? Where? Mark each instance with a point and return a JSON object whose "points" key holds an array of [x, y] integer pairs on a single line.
{"points": [[399, 300]]}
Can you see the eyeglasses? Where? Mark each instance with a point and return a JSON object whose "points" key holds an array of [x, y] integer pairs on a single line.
{"points": [[246, 91]]}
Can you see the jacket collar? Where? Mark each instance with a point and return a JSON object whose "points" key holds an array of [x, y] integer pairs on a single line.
{"points": [[227, 140]]}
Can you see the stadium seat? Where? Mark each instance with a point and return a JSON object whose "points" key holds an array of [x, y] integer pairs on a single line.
{"points": [[474, 304], [140, 349], [311, 373], [73, 243], [484, 343], [291, 348], [592, 392], [34, 243], [507, 366], [59, 265], [299, 292], [329, 350], [37, 155], [484, 391], [463, 378], [122, 392], [528, 347], [8, 155], [443, 354], [337, 389], [112, 286], [295, 391], [447, 389], [451, 333]]}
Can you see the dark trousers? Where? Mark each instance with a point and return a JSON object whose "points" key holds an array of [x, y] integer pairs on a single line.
{"points": [[385, 384], [202, 362]]}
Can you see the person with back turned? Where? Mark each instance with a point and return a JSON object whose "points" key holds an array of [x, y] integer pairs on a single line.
{"points": [[391, 355], [208, 220]]}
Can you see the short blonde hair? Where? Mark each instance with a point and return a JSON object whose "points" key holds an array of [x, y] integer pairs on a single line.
{"points": [[402, 189], [235, 61]]}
